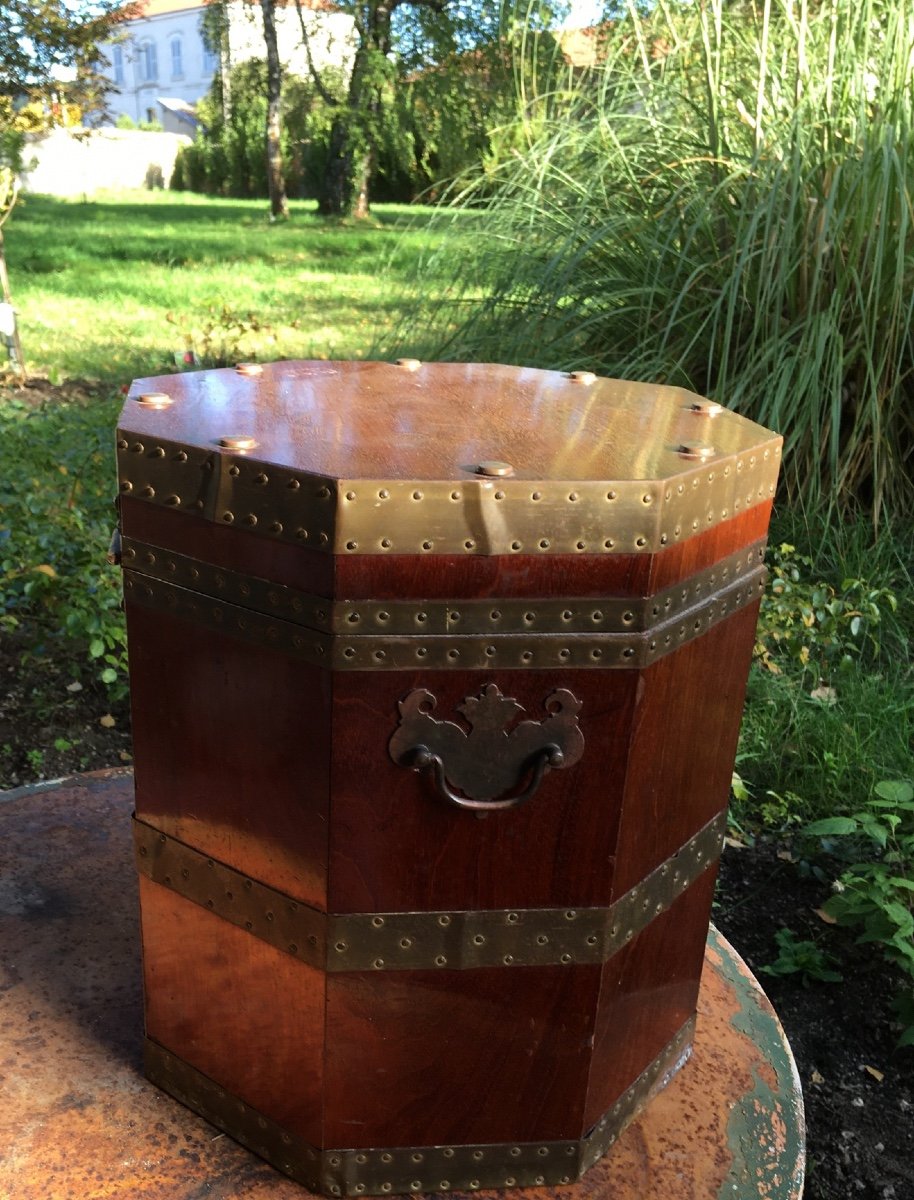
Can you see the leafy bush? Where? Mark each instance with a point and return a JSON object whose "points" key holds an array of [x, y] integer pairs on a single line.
{"points": [[814, 624], [876, 893], [804, 958], [56, 523]]}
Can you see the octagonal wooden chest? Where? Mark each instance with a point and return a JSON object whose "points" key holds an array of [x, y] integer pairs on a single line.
{"points": [[436, 674]]}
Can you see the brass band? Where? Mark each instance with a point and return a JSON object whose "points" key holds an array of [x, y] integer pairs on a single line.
{"points": [[457, 940], [473, 515], [357, 618], [403, 652], [412, 1169]]}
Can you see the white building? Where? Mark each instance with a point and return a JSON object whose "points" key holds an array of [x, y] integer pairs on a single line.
{"points": [[160, 66]]}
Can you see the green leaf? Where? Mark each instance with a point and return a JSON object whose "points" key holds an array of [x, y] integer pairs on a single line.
{"points": [[898, 791], [109, 675], [832, 826], [96, 648]]}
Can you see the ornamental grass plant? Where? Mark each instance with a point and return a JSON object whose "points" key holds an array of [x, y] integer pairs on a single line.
{"points": [[724, 204]]}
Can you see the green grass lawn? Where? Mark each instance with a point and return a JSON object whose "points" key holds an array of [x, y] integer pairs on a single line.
{"points": [[120, 287]]}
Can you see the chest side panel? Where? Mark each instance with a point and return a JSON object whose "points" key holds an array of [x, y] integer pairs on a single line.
{"points": [[231, 743], [397, 846]]}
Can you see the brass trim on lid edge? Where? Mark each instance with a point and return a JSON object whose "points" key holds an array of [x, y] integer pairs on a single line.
{"points": [[413, 1169], [471, 515]]}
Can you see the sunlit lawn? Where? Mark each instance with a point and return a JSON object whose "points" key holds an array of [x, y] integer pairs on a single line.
{"points": [[123, 286]]}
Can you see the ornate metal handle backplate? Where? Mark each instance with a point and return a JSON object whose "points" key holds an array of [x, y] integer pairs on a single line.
{"points": [[474, 769]]}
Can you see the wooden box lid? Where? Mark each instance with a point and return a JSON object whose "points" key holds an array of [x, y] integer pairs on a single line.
{"points": [[356, 458]]}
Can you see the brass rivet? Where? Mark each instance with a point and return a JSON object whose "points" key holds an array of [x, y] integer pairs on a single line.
{"points": [[695, 450], [544, 543], [409, 364], [248, 368], [159, 452], [122, 444], [237, 441], [350, 495], [234, 471], [706, 408], [155, 400], [455, 495], [126, 486], [352, 545], [377, 922], [573, 496], [499, 495], [493, 467], [137, 448], [536, 495], [426, 545], [385, 543], [441, 961], [250, 519], [444, 919], [383, 494], [276, 527], [261, 479], [417, 495], [148, 491]]}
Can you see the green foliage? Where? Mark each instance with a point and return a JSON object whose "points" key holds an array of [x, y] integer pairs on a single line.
{"points": [[726, 206], [876, 893], [804, 958], [125, 121], [228, 158], [57, 517], [221, 337], [815, 625], [830, 702]]}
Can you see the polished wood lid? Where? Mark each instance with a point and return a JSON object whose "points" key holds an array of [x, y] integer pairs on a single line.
{"points": [[370, 458]]}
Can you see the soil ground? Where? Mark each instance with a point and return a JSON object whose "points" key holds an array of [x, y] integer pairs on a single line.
{"points": [[859, 1090]]}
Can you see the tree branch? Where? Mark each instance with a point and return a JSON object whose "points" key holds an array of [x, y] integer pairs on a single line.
{"points": [[325, 94]]}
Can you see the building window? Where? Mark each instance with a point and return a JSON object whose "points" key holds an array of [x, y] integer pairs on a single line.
{"points": [[147, 63], [210, 60], [117, 59], [177, 65]]}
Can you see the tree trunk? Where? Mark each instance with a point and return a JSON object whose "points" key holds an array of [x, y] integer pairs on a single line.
{"points": [[279, 206], [352, 152]]}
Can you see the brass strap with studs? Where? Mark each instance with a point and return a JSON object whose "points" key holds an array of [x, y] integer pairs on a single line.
{"points": [[475, 515], [461, 940], [406, 652], [615, 614], [412, 1169]]}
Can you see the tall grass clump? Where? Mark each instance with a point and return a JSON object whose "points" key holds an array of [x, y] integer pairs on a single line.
{"points": [[726, 205]]}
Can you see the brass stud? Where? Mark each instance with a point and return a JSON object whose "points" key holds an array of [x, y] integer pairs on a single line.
{"points": [[417, 495], [159, 452], [234, 471], [237, 441], [126, 486], [155, 400], [137, 448], [494, 468], [122, 444], [148, 491]]}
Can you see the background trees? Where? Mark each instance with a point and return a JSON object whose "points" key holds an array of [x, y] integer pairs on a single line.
{"points": [[431, 81]]}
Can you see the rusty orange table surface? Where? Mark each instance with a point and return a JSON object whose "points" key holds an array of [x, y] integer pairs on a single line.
{"points": [[78, 1119]]}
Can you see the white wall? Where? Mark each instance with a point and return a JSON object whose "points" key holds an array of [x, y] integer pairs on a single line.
{"points": [[145, 47], [75, 162]]}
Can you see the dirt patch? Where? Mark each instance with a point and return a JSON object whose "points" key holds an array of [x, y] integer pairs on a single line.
{"points": [[859, 1090]]}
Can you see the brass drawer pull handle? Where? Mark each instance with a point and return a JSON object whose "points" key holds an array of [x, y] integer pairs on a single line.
{"points": [[475, 769], [549, 756]]}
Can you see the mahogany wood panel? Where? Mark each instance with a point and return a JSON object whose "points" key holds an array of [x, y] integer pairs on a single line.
{"points": [[684, 733], [437, 577], [396, 845], [232, 750], [243, 1013], [425, 1058], [648, 990]]}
